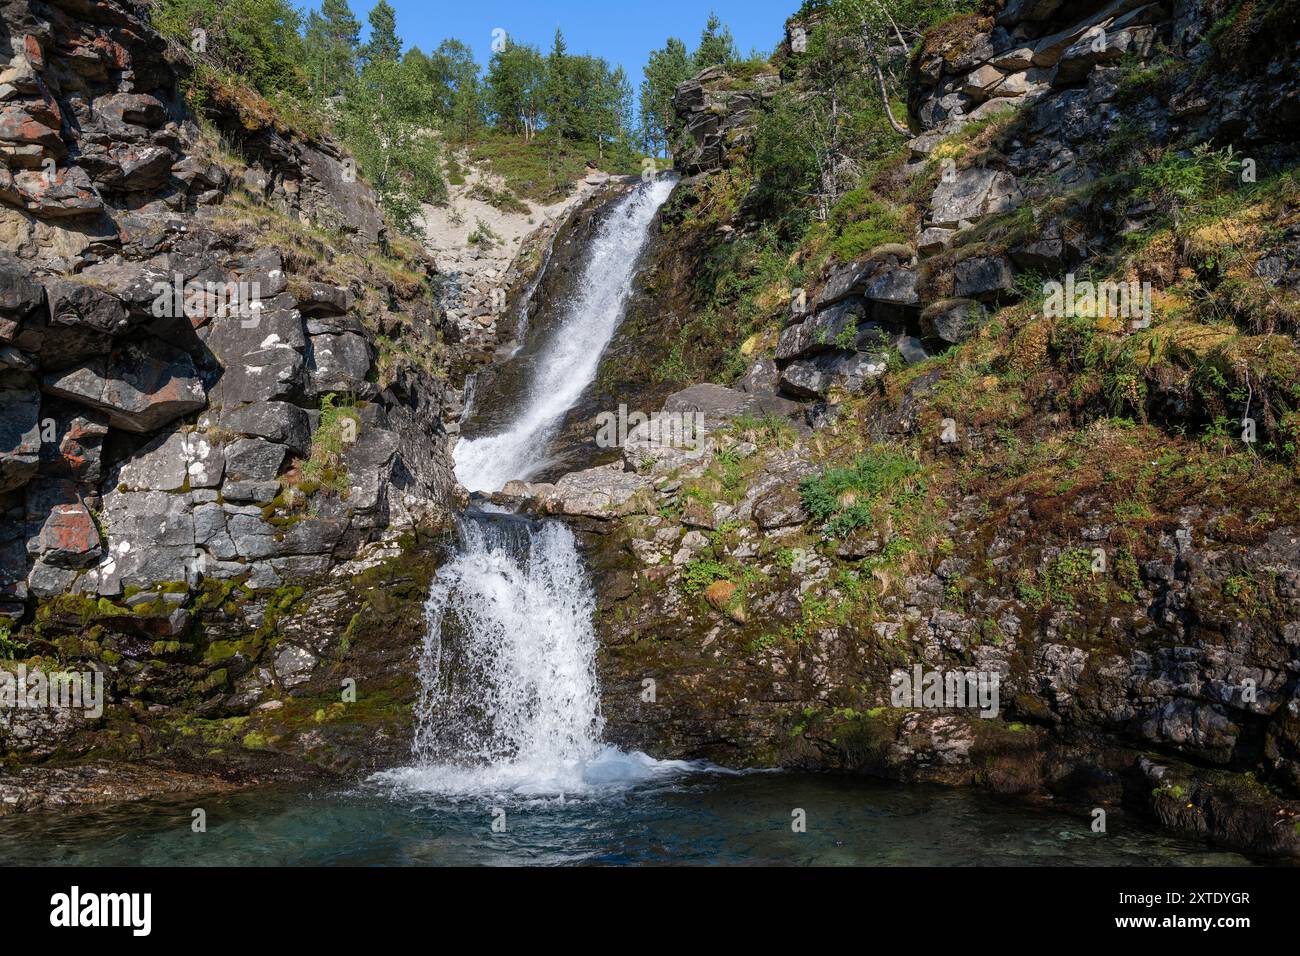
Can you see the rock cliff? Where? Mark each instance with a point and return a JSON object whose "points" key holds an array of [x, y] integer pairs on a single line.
{"points": [[223, 384], [966, 481]]}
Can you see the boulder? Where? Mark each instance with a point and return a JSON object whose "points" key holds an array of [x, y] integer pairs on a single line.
{"points": [[603, 492], [68, 536], [278, 422], [782, 507], [831, 328], [136, 284], [369, 463], [172, 462], [969, 194], [261, 355], [252, 459], [20, 295], [853, 278], [141, 386], [69, 192], [320, 298], [338, 363], [76, 451], [151, 539], [893, 287], [982, 277], [953, 320], [253, 538], [814, 378], [719, 404], [73, 302]]}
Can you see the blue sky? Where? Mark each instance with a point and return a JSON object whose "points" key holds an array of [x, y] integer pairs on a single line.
{"points": [[623, 33]]}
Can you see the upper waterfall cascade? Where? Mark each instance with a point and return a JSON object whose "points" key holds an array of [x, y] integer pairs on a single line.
{"points": [[568, 363]]}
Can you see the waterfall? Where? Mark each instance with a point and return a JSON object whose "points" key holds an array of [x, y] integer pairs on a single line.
{"points": [[569, 362], [510, 701]]}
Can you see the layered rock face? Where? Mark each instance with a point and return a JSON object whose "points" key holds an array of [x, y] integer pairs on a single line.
{"points": [[166, 367], [1151, 682], [221, 396], [1060, 76], [713, 110]]}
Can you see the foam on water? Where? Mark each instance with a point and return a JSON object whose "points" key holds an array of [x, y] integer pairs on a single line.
{"points": [[510, 700]]}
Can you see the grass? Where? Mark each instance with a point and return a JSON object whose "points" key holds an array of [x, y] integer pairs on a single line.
{"points": [[502, 199], [9, 648], [324, 471], [847, 498], [532, 170]]}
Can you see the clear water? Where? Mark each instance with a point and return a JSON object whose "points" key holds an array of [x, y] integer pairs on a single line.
{"points": [[693, 819]]}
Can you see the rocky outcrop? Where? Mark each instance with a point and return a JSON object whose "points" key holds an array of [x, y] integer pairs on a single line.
{"points": [[1164, 673], [172, 379], [713, 111]]}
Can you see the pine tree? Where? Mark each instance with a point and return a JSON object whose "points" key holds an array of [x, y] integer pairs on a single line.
{"points": [[332, 38], [559, 100], [717, 48], [664, 70], [384, 46]]}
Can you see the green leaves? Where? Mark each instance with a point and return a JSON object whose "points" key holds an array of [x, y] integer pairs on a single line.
{"points": [[384, 122], [846, 499]]}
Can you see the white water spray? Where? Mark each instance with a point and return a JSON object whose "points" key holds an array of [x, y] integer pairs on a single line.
{"points": [[569, 362], [510, 702]]}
